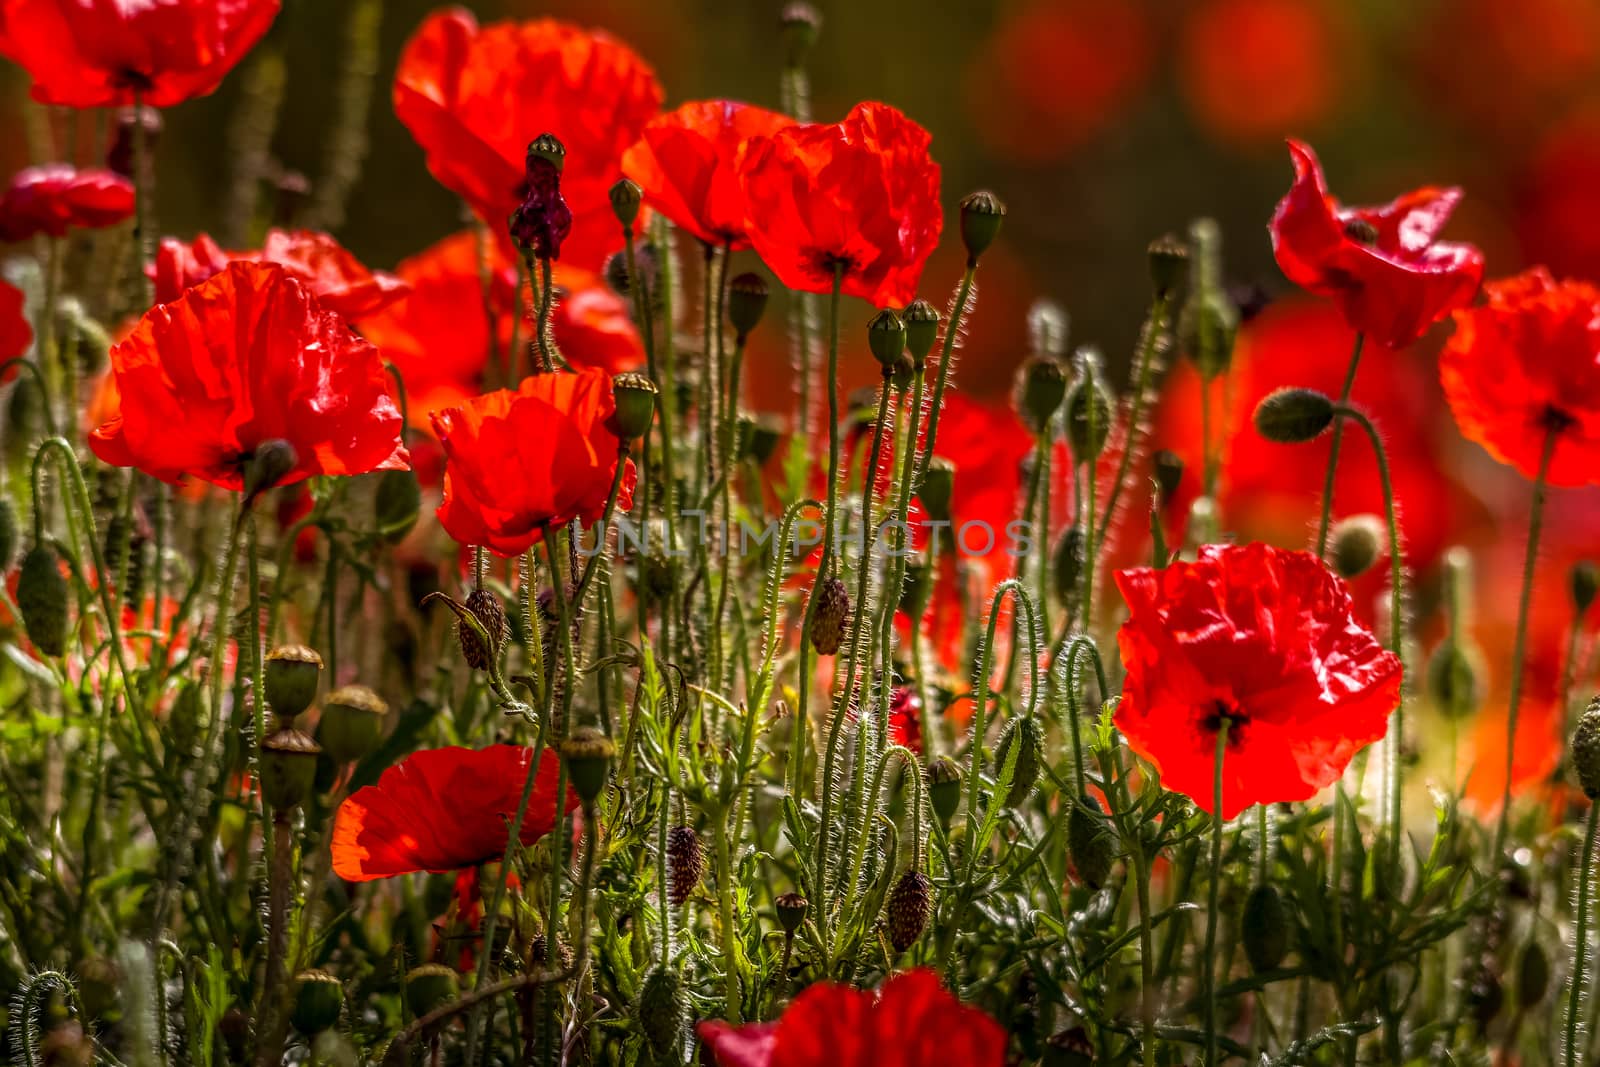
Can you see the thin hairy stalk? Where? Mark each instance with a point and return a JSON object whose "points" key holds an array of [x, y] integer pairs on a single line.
{"points": [[1333, 449], [1209, 959], [1580, 944]]}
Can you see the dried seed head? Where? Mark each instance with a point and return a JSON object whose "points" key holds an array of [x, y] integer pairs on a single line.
{"points": [[907, 909], [830, 615], [686, 860], [291, 674], [791, 909], [351, 723], [1586, 750]]}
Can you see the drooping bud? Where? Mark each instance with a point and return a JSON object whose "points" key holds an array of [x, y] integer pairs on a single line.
{"points": [[1024, 735], [635, 397], [42, 599], [1067, 567], [397, 504], [268, 465], [351, 723], [1583, 581], [886, 336], [922, 329], [1091, 842], [1293, 416], [8, 534], [981, 215], [829, 615], [542, 220], [1089, 408], [1169, 262], [318, 1000], [747, 302], [907, 909], [626, 196], [1049, 328], [1265, 928], [430, 987], [686, 861], [587, 754], [288, 766], [938, 487], [1586, 750], [1358, 542], [660, 1011], [484, 606], [1209, 322], [801, 23], [1167, 469], [290, 675], [1041, 387], [944, 789], [1454, 678], [1533, 975]]}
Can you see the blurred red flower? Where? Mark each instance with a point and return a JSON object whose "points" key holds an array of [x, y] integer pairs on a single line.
{"points": [[242, 359], [685, 162], [336, 278], [1558, 219], [1263, 639], [443, 809], [475, 97], [56, 197], [94, 53], [16, 336], [909, 1022], [1524, 369], [1251, 69], [519, 461], [1381, 265], [862, 194]]}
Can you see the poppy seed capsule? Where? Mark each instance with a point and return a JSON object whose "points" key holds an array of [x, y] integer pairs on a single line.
{"points": [[944, 789], [981, 215], [908, 907], [1091, 843], [396, 505], [1265, 928], [291, 674], [686, 860], [1357, 543], [1586, 750], [635, 396], [1293, 416], [486, 608], [1169, 262], [430, 987], [938, 487], [587, 754], [1088, 409], [1454, 678], [1041, 387], [886, 336], [351, 723], [660, 1010], [626, 196], [829, 616], [1167, 469], [1583, 581], [747, 302], [8, 533], [548, 147], [318, 1000], [922, 329], [42, 599], [288, 768], [791, 909], [1026, 735]]}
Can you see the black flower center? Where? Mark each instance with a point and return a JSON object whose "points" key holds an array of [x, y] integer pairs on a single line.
{"points": [[1225, 713]]}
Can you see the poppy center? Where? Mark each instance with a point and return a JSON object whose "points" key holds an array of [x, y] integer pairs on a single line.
{"points": [[1224, 712], [828, 262], [135, 80], [1554, 420]]}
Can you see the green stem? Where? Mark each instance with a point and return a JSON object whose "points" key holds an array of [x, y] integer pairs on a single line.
{"points": [[1580, 946], [1333, 450], [946, 363], [1144, 368], [1211, 904], [730, 947]]}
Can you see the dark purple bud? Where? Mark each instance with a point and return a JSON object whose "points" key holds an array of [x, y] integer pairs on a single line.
{"points": [[119, 157], [543, 220]]}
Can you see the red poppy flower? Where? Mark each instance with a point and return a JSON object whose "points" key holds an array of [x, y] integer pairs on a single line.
{"points": [[56, 197], [474, 97], [1264, 639], [686, 164], [862, 194], [336, 278], [911, 1021], [242, 359], [443, 809], [1381, 265], [519, 461], [1527, 364], [16, 336], [94, 53]]}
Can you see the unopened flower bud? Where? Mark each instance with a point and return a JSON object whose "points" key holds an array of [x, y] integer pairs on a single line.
{"points": [[944, 788], [1169, 262], [42, 599], [430, 987], [747, 301], [1207, 329], [1454, 678], [1586, 750], [1583, 581], [1167, 469], [626, 196], [1091, 842], [1067, 567], [397, 504], [351, 723], [290, 678], [922, 329], [635, 397], [268, 465], [1088, 409], [1024, 735], [886, 336], [1049, 328], [938, 487], [791, 909], [288, 768], [1041, 386], [1265, 928], [318, 1000], [801, 23], [829, 615], [907, 910], [981, 215], [660, 1011], [1357, 541], [1293, 416], [587, 754]]}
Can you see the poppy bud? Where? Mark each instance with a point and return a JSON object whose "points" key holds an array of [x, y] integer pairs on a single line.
{"points": [[587, 754], [635, 397], [542, 220], [351, 724], [99, 986], [1048, 329], [686, 860], [288, 766], [922, 329], [1167, 468], [290, 674], [318, 1000], [747, 301], [908, 907], [1023, 733], [1068, 564], [1265, 928], [1169, 262], [944, 788], [801, 23], [1041, 386], [886, 336], [1209, 322], [1586, 750], [1293, 416], [758, 437], [914, 590], [791, 909], [42, 599], [661, 1011], [829, 616], [268, 465], [398, 500], [1091, 842], [485, 607], [938, 485], [1357, 543], [626, 196], [981, 215], [8, 533], [430, 987], [1533, 975], [1088, 409], [1454, 678], [1583, 580], [119, 157]]}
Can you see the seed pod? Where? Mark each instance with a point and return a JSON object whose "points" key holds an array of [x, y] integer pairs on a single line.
{"points": [[686, 860], [800, 23], [981, 215], [661, 1010], [626, 196], [8, 533], [1167, 468], [291, 675], [430, 986], [1586, 750], [288, 766], [944, 788], [908, 907], [747, 302], [1454, 678], [587, 754], [397, 504], [42, 599], [635, 397], [1088, 409], [485, 607], [1293, 416], [1169, 262], [351, 724], [791, 909], [1357, 543], [922, 329], [886, 337], [1265, 928], [1533, 975], [1041, 387], [1067, 570], [1024, 733], [1091, 842], [938, 484], [830, 615], [318, 1000]]}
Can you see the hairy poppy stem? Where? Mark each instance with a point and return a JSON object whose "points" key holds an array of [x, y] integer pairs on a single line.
{"points": [[952, 330], [1212, 893], [1580, 944], [1333, 449], [273, 992], [1144, 369], [1520, 641]]}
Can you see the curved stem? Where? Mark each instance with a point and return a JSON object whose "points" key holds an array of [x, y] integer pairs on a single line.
{"points": [[1333, 450]]}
